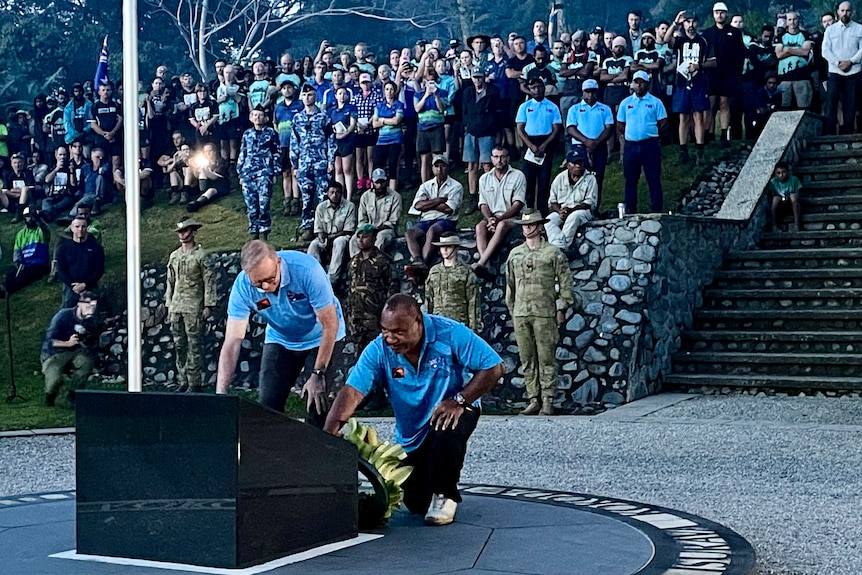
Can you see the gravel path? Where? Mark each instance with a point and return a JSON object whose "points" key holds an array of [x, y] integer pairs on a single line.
{"points": [[783, 472]]}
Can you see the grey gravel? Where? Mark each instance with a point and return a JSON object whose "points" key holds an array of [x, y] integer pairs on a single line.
{"points": [[782, 472]]}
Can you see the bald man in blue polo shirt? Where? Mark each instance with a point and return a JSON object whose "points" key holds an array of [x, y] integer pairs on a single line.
{"points": [[640, 118], [291, 293], [420, 360]]}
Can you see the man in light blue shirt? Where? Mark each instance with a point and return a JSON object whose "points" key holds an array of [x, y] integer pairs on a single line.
{"points": [[420, 360], [589, 125], [291, 293], [538, 124], [640, 118]]}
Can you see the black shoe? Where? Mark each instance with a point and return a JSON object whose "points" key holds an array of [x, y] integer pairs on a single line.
{"points": [[193, 206], [50, 399]]}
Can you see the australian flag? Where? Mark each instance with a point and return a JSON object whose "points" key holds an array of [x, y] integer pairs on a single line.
{"points": [[102, 67]]}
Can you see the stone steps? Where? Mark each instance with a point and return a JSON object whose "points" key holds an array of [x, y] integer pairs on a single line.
{"points": [[777, 319], [854, 184], [803, 258], [829, 157], [819, 341], [812, 239], [771, 298], [789, 278], [698, 380], [766, 363], [828, 199]]}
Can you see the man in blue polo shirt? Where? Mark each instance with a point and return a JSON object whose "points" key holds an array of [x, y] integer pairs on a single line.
{"points": [[291, 293], [538, 124], [420, 360], [640, 118], [589, 125]]}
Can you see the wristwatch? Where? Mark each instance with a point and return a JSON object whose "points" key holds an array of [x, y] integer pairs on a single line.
{"points": [[460, 399], [319, 372]]}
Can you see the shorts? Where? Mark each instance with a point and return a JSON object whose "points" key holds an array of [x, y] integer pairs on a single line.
{"points": [[386, 156], [801, 88], [346, 147], [286, 164], [450, 120], [477, 149], [231, 130], [366, 140], [723, 84], [221, 185], [113, 149], [615, 94], [431, 141], [692, 98], [445, 225]]}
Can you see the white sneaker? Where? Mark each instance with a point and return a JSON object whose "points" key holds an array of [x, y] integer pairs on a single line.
{"points": [[441, 511]]}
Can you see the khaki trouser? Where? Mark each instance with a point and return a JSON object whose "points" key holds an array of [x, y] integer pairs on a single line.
{"points": [[53, 367], [186, 331], [337, 249], [537, 346]]}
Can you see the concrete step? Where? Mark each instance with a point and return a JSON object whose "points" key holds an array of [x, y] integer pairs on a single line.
{"points": [[810, 258], [814, 341], [830, 199], [764, 363], [724, 298], [817, 239], [829, 157], [778, 319], [789, 278], [795, 383], [841, 184]]}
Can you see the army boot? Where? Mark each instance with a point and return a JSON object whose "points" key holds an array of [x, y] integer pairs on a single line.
{"points": [[547, 405], [534, 407], [174, 197]]}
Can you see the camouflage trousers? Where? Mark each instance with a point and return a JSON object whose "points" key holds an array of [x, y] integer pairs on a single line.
{"points": [[186, 331], [312, 183], [537, 346], [257, 193], [77, 362]]}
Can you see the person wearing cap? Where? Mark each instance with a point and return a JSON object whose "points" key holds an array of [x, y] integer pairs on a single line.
{"points": [[65, 347], [379, 207], [291, 294], [482, 117], [18, 187], [729, 51], [596, 42], [334, 224], [190, 296], [538, 124], [577, 68], [479, 44], [75, 115], [693, 55], [436, 203], [285, 109], [370, 283], [502, 196], [538, 295], [452, 289], [257, 166], [312, 153], [430, 102], [842, 50], [31, 256], [793, 48], [590, 125], [365, 98], [651, 60], [80, 262], [573, 200], [640, 120], [614, 76]]}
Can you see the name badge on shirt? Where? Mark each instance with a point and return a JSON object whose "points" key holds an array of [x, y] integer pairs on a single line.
{"points": [[397, 372], [263, 304]]}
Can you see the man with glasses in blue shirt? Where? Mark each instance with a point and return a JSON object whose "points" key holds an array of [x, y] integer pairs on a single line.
{"points": [[292, 295]]}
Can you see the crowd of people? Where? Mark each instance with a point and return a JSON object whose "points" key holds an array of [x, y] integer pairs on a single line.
{"points": [[347, 132]]}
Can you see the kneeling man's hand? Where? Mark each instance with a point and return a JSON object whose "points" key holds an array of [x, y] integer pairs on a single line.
{"points": [[446, 415], [314, 391]]}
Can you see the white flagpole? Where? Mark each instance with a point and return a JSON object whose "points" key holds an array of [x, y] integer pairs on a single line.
{"points": [[131, 155]]}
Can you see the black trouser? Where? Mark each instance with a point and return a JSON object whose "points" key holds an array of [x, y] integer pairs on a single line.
{"points": [[437, 463], [411, 127], [841, 88], [20, 277], [539, 178], [643, 155], [279, 369]]}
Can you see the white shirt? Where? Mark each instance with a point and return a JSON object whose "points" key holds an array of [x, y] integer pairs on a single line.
{"points": [[499, 195], [451, 188], [842, 42]]}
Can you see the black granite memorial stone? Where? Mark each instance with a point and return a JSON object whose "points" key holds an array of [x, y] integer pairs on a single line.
{"points": [[207, 480]]}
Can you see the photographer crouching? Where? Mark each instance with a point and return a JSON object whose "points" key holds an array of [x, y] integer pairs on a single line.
{"points": [[65, 349]]}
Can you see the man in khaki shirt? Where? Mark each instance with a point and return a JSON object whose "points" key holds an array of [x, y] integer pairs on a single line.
{"points": [[502, 193], [334, 223], [573, 197], [381, 207], [436, 203]]}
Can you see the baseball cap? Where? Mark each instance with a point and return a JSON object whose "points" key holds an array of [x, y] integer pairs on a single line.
{"points": [[590, 84], [478, 72], [365, 77], [26, 211], [576, 155], [378, 174], [641, 75], [648, 35], [440, 158], [618, 41], [719, 6]]}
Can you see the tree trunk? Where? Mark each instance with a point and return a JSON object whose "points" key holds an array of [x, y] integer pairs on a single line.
{"points": [[202, 48]]}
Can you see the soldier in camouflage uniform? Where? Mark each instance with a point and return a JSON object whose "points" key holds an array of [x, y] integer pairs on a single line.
{"points": [[257, 165], [538, 293], [190, 294], [370, 277], [312, 154], [452, 289]]}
